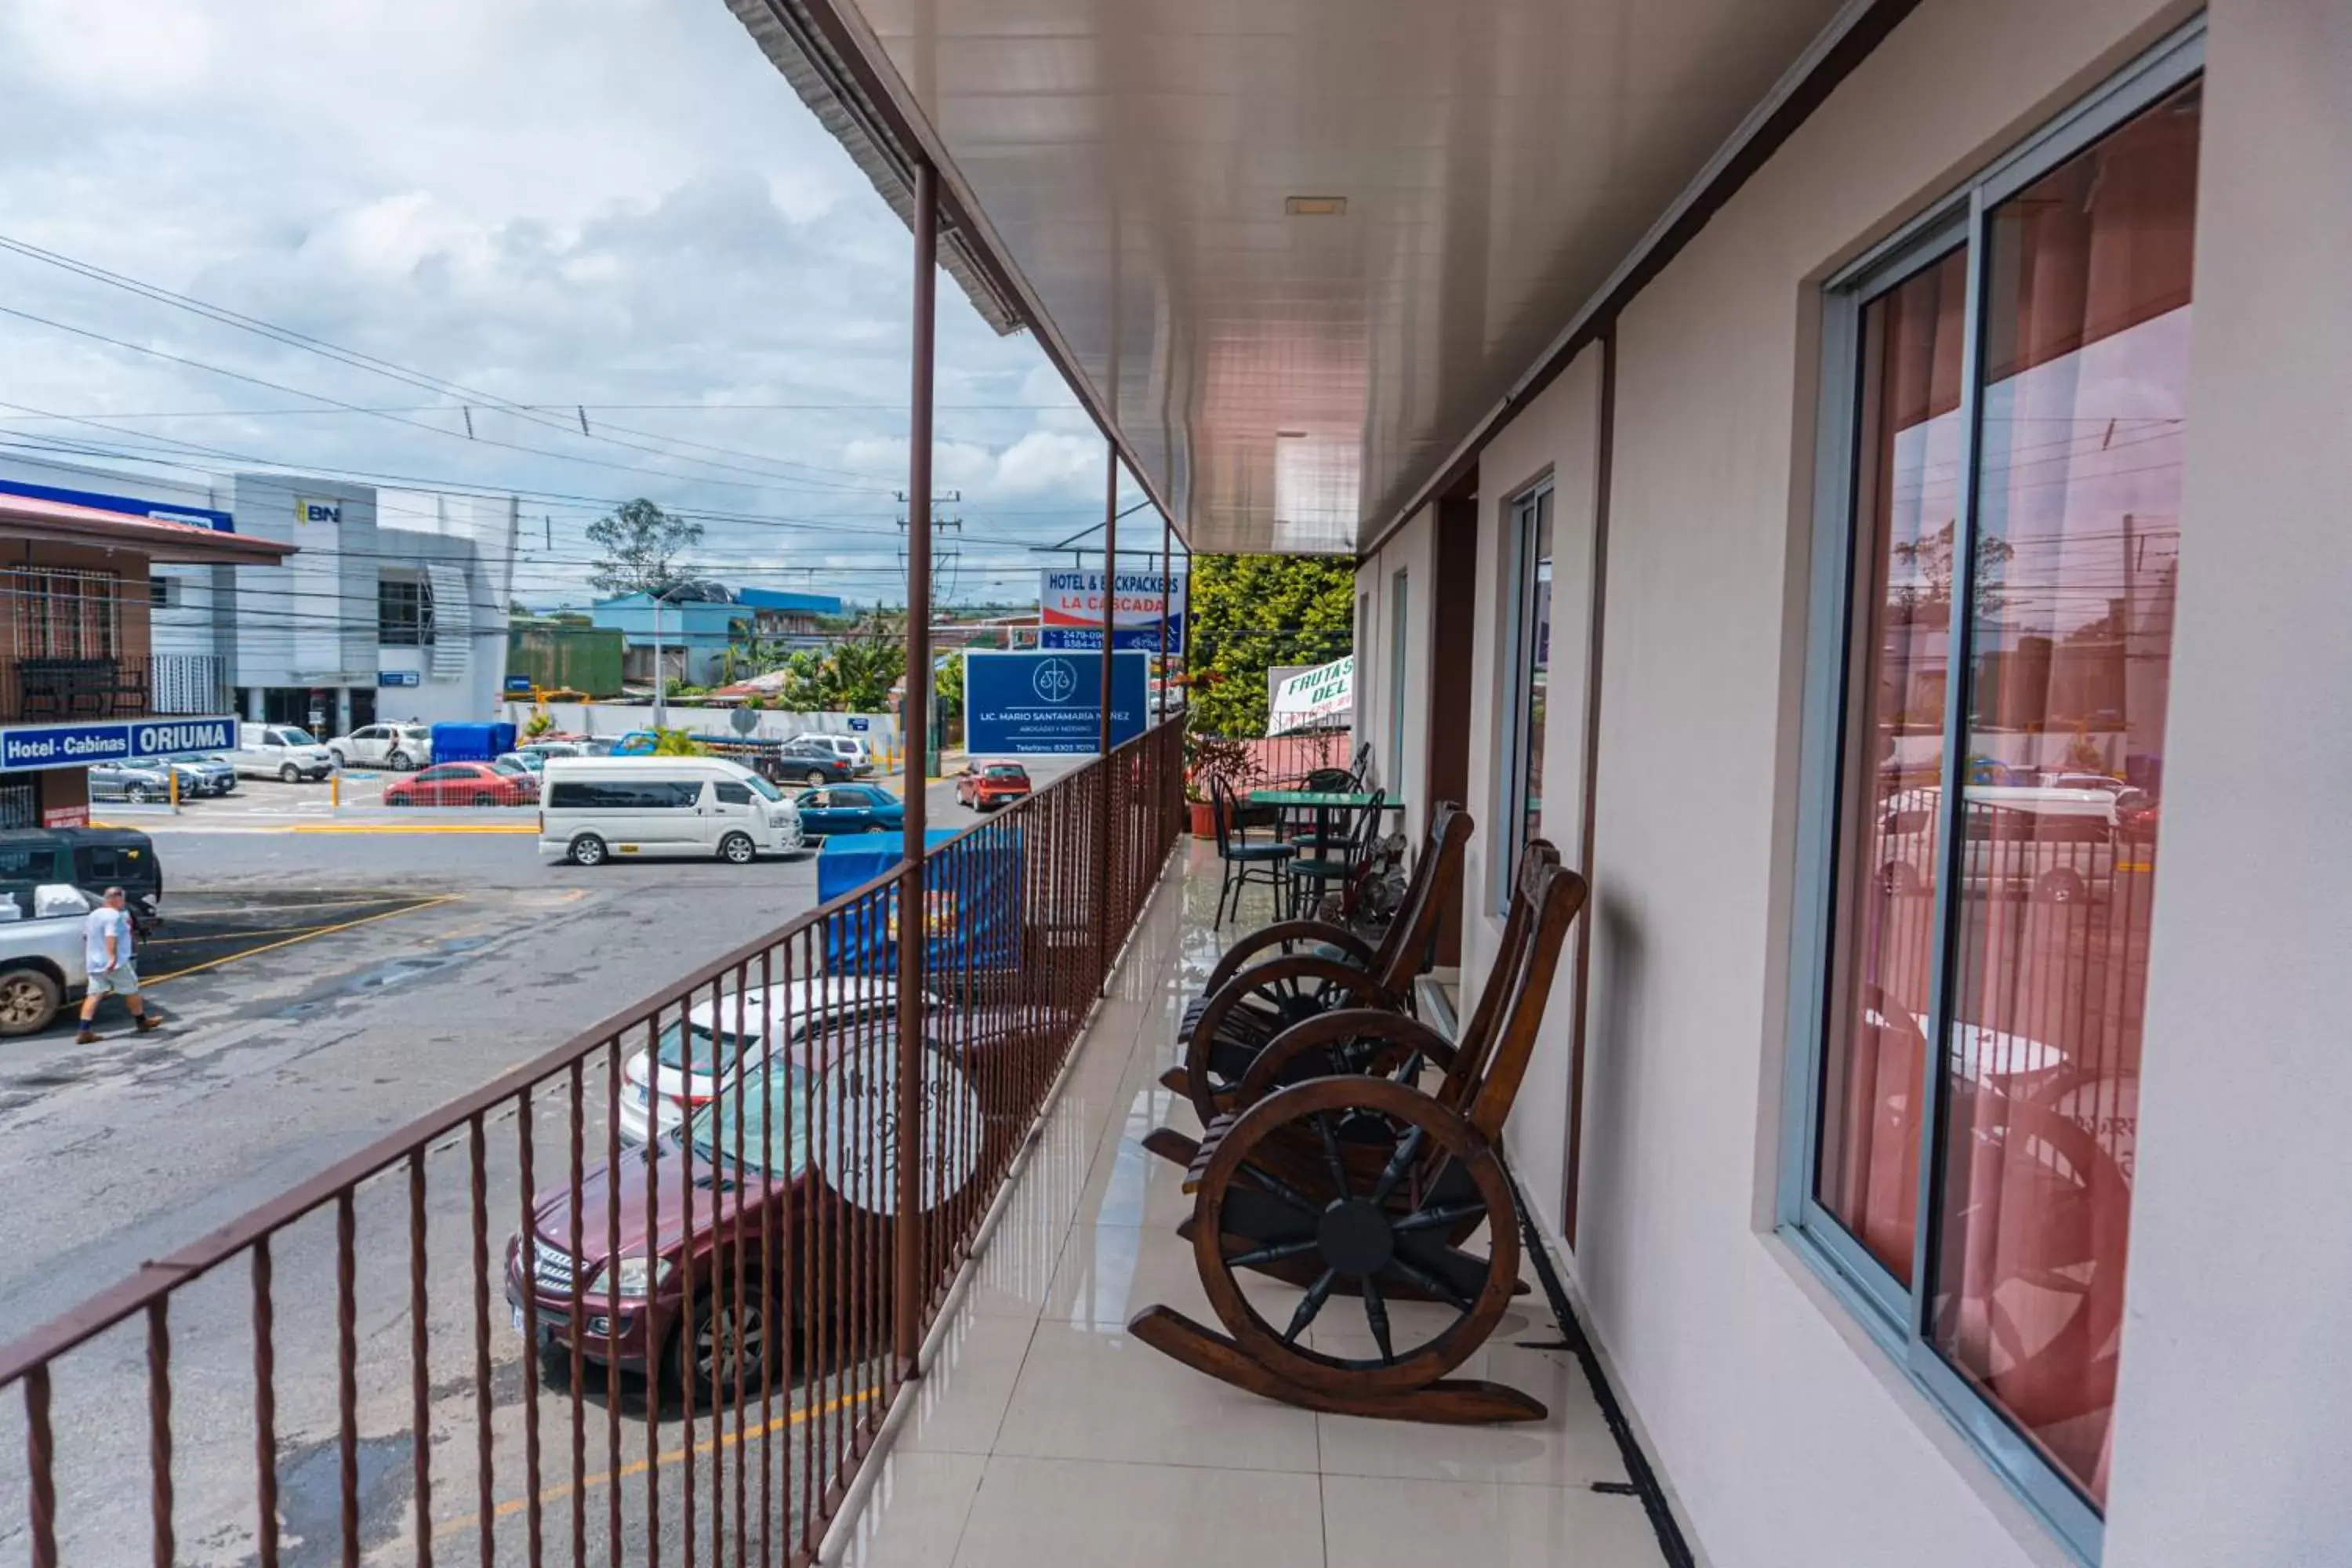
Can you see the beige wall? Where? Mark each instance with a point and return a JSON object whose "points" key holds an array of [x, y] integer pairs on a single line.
{"points": [[2233, 1435], [1787, 1436]]}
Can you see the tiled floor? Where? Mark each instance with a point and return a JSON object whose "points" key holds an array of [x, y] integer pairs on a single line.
{"points": [[1045, 1436]]}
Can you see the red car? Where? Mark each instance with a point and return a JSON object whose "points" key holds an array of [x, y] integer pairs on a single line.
{"points": [[464, 783], [984, 786]]}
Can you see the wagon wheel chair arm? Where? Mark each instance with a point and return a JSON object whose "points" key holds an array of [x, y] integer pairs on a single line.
{"points": [[1396, 1041], [1282, 935], [1281, 986]]}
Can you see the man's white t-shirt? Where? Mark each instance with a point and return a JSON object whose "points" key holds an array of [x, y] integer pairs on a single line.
{"points": [[94, 932]]}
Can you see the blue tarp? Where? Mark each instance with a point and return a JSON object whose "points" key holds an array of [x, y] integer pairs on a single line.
{"points": [[471, 743], [974, 894]]}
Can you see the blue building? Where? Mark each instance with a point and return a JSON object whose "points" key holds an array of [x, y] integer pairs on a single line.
{"points": [[696, 622]]}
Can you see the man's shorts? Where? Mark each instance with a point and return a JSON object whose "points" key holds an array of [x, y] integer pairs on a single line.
{"points": [[120, 980]]}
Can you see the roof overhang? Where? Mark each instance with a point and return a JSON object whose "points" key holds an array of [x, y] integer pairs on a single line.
{"points": [[172, 544], [1282, 376]]}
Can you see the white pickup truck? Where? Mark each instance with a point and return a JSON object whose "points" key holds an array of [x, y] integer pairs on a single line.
{"points": [[41, 966]]}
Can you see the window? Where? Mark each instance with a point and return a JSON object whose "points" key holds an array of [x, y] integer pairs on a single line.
{"points": [[730, 793], [626, 795], [1530, 654], [2000, 550], [1400, 637], [404, 613], [163, 593], [63, 613]]}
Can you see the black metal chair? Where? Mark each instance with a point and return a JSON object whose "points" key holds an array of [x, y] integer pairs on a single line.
{"points": [[1338, 859], [1243, 862]]}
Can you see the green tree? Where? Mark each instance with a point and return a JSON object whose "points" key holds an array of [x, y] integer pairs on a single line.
{"points": [[1250, 613], [641, 548], [855, 676]]}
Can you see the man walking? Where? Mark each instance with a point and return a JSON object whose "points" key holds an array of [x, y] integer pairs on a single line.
{"points": [[106, 954]]}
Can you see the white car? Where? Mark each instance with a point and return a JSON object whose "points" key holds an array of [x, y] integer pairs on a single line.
{"points": [[597, 809], [400, 747], [688, 1067], [850, 749], [280, 751]]}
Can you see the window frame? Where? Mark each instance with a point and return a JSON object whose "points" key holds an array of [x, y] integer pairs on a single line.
{"points": [[1400, 648], [388, 634], [1897, 1315], [1523, 516]]}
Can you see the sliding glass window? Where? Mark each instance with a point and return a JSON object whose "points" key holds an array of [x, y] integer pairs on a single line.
{"points": [[2001, 548], [1530, 678]]}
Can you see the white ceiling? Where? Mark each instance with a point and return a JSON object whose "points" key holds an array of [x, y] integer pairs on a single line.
{"points": [[1498, 157]]}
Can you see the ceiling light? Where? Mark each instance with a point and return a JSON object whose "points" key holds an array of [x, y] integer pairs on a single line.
{"points": [[1315, 206]]}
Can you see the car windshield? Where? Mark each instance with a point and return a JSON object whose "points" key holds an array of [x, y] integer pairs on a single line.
{"points": [[509, 765], [296, 738], [671, 1048], [762, 788], [771, 1115]]}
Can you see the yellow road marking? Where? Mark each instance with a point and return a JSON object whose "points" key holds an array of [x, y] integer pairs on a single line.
{"points": [[607, 1477], [304, 936], [530, 828]]}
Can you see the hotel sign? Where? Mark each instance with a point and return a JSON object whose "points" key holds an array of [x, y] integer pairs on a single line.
{"points": [[24, 746]]}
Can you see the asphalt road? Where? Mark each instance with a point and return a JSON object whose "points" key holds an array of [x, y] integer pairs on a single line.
{"points": [[417, 966]]}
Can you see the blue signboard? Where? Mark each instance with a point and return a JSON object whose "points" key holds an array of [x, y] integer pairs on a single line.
{"points": [[161, 511], [860, 726], [1126, 640], [1050, 705], [74, 745], [403, 678]]}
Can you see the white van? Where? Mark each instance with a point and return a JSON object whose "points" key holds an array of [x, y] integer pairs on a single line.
{"points": [[280, 751], [594, 809]]}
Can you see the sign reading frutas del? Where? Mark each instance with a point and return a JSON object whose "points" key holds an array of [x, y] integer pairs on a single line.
{"points": [[1323, 695]]}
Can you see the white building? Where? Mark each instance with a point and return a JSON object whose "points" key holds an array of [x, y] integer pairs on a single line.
{"points": [[395, 607]]}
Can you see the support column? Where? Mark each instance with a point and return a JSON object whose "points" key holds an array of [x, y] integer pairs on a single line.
{"points": [[914, 926], [1111, 580], [1167, 608]]}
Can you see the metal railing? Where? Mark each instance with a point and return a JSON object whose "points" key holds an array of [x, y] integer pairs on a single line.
{"points": [[637, 1299]]}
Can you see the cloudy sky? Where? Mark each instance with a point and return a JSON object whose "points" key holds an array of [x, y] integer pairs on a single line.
{"points": [[611, 203]]}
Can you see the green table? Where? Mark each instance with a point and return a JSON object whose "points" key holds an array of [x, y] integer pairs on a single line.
{"points": [[1324, 803]]}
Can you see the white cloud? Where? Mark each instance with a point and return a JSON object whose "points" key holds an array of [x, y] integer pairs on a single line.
{"points": [[606, 202]]}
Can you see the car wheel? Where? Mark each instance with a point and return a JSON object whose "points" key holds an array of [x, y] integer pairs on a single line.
{"points": [[29, 1000], [726, 1341], [737, 850], [815, 779], [2062, 887], [399, 761], [290, 773], [588, 851], [138, 794], [341, 761]]}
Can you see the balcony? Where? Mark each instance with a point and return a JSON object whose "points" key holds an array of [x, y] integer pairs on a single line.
{"points": [[42, 690]]}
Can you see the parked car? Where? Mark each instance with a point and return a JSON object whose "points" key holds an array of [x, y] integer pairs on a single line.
{"points": [[691, 1065], [529, 761], [203, 773], [464, 783], [2056, 845], [813, 763], [138, 783], [553, 748], [400, 747], [849, 809], [280, 751], [984, 786], [41, 969], [636, 807], [832, 1179], [90, 859], [850, 749]]}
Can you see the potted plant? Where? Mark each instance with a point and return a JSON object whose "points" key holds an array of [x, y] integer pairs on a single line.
{"points": [[1233, 764]]}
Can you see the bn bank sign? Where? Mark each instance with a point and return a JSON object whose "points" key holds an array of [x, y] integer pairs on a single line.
{"points": [[73, 745]]}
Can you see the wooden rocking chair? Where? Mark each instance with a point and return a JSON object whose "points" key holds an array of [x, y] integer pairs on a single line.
{"points": [[1250, 997], [1375, 1186]]}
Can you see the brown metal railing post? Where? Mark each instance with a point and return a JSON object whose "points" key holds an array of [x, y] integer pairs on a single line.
{"points": [[1167, 608], [1104, 854], [914, 926]]}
